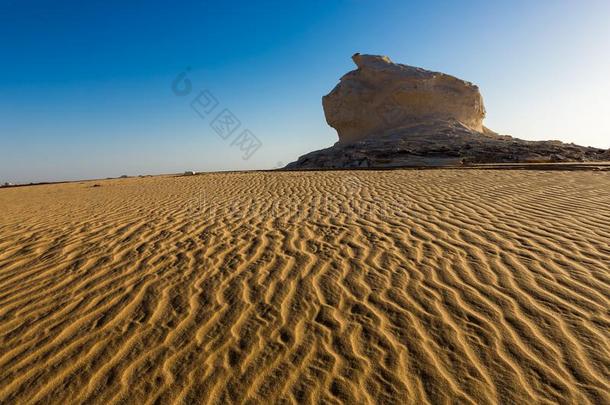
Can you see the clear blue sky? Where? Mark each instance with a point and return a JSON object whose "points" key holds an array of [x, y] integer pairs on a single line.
{"points": [[85, 86]]}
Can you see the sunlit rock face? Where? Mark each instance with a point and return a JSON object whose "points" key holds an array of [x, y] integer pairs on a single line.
{"points": [[381, 95], [392, 115]]}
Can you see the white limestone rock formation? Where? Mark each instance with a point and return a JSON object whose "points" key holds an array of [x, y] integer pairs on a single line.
{"points": [[381, 95], [392, 115]]}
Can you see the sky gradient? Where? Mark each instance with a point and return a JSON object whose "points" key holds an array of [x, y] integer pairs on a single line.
{"points": [[86, 87]]}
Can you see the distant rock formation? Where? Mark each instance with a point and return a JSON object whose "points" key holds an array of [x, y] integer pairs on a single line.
{"points": [[381, 95], [392, 115]]}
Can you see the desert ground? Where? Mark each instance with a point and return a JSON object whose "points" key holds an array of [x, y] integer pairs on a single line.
{"points": [[388, 287]]}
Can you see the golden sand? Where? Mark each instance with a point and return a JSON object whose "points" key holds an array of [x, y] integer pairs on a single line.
{"points": [[405, 287]]}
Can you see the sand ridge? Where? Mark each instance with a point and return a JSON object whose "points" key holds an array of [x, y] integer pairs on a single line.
{"points": [[405, 287]]}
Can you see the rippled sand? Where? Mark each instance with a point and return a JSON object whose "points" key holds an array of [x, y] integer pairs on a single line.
{"points": [[405, 287]]}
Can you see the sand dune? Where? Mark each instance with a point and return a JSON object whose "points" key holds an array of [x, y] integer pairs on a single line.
{"points": [[397, 287]]}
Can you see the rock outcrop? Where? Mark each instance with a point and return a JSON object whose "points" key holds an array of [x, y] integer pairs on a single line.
{"points": [[443, 143], [392, 115], [381, 95]]}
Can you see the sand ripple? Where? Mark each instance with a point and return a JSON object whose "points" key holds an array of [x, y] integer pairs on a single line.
{"points": [[396, 287]]}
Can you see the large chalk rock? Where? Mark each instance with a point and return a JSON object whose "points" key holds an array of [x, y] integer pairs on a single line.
{"points": [[392, 115], [381, 95]]}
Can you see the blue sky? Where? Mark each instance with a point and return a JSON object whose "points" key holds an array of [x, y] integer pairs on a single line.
{"points": [[85, 87]]}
